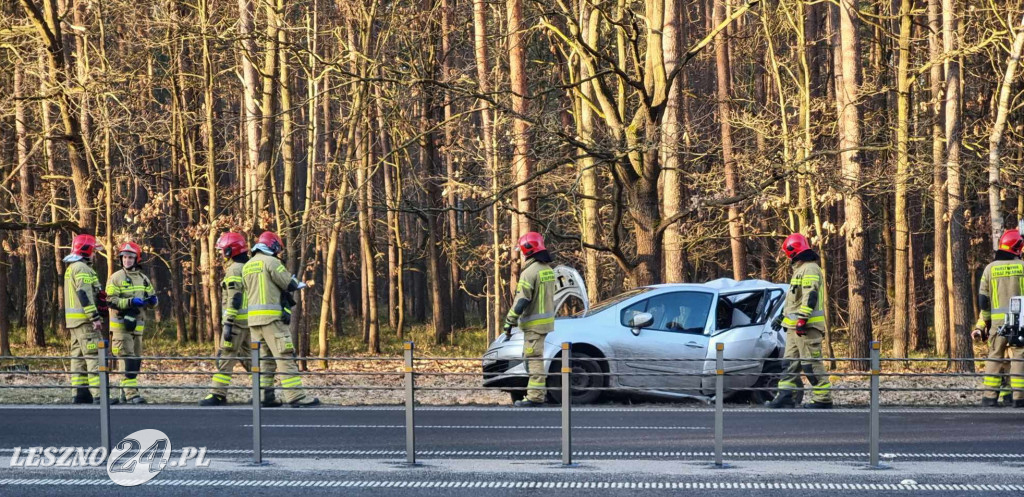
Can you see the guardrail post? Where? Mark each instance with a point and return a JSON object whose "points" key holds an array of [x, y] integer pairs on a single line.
{"points": [[257, 444], [566, 404], [873, 417], [104, 373], [410, 405], [719, 400]]}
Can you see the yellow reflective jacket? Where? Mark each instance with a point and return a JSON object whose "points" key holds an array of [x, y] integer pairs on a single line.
{"points": [[1000, 281], [264, 278], [234, 289], [537, 285], [807, 282], [124, 285], [80, 276]]}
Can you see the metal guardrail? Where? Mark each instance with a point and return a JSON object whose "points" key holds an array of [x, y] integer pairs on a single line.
{"points": [[565, 373]]}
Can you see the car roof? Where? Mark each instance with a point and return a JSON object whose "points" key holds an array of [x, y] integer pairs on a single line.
{"points": [[721, 284]]}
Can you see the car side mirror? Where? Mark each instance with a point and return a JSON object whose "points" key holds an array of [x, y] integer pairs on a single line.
{"points": [[639, 321]]}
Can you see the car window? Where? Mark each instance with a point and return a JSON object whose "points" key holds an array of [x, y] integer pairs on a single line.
{"points": [[774, 302], [680, 312], [739, 309], [611, 302]]}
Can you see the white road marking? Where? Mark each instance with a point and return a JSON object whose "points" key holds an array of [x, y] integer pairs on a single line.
{"points": [[554, 454], [496, 427], [420, 484]]}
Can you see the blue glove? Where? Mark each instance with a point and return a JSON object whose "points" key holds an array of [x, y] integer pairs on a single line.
{"points": [[137, 302], [151, 300]]}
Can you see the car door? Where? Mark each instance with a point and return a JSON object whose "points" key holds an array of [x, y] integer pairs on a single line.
{"points": [[678, 331], [739, 325]]}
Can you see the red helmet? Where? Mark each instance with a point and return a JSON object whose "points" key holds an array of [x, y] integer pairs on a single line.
{"points": [[531, 243], [795, 244], [1011, 242], [272, 241], [232, 244], [130, 248], [84, 245]]}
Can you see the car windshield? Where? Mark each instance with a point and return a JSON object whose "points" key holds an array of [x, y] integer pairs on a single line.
{"points": [[608, 303]]}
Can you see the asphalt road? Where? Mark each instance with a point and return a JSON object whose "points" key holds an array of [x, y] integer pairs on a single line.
{"points": [[361, 449], [601, 432]]}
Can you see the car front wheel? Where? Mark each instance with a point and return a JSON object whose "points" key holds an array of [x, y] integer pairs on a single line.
{"points": [[582, 385]]}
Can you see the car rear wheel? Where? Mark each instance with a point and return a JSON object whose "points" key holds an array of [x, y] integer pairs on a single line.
{"points": [[581, 384]]}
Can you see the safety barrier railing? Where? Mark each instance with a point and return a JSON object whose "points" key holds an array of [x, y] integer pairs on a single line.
{"points": [[561, 368]]}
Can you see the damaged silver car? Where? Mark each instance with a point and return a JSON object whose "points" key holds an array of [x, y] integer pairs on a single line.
{"points": [[655, 340]]}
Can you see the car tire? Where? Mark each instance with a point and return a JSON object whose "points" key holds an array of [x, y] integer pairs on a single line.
{"points": [[580, 383], [770, 373]]}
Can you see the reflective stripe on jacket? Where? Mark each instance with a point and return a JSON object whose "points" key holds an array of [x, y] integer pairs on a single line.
{"points": [[1000, 281], [805, 285], [124, 285], [537, 285], [80, 276], [232, 285], [264, 278]]}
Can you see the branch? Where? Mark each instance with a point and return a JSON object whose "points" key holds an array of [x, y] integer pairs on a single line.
{"points": [[25, 225]]}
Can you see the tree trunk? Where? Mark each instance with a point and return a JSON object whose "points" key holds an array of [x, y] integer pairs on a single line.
{"points": [[673, 136], [34, 332], [483, 75], [903, 306], [995, 206], [959, 244], [854, 229], [455, 283], [936, 75], [522, 162], [48, 25], [254, 199], [723, 68]]}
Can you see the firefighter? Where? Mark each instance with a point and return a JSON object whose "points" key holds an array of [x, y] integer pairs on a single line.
{"points": [[84, 300], [268, 288], [130, 293], [804, 320], [235, 324], [1002, 279], [533, 310]]}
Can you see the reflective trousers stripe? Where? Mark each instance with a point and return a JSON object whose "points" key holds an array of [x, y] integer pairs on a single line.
{"points": [[993, 381], [130, 382], [787, 385], [222, 379]]}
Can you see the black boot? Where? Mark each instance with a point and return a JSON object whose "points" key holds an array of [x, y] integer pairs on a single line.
{"points": [[528, 403], [213, 400], [304, 402], [989, 402], [818, 405], [269, 399], [82, 396], [1019, 403], [784, 400]]}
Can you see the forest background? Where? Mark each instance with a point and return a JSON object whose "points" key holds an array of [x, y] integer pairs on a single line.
{"points": [[400, 148]]}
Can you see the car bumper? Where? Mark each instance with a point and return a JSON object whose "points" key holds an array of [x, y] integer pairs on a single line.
{"points": [[503, 365]]}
